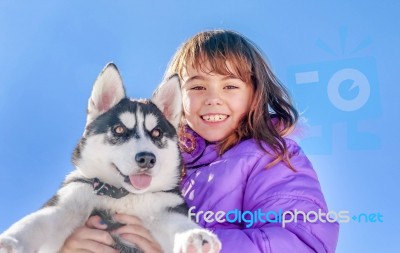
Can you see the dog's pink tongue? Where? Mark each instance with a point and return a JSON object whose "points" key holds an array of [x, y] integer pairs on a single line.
{"points": [[140, 181]]}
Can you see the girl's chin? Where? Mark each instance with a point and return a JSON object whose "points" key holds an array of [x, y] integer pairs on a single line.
{"points": [[213, 132], [212, 137]]}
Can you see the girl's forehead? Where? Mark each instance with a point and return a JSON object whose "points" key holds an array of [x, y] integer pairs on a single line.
{"points": [[207, 68]]}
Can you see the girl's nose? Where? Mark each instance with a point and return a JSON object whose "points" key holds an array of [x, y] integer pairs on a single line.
{"points": [[213, 99]]}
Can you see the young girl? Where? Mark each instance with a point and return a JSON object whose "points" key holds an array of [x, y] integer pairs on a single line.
{"points": [[243, 179]]}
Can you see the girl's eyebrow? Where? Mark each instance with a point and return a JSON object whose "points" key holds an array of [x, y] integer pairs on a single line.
{"points": [[202, 78], [193, 78], [230, 77]]}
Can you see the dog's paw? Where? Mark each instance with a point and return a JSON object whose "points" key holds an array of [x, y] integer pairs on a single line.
{"points": [[9, 245], [195, 241]]}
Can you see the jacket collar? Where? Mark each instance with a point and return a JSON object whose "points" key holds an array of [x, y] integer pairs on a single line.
{"points": [[203, 153]]}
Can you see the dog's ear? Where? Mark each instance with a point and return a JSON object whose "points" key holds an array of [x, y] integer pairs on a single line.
{"points": [[107, 91], [168, 98]]}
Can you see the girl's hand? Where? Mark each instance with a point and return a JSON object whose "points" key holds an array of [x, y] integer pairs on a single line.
{"points": [[93, 239], [89, 239], [136, 233]]}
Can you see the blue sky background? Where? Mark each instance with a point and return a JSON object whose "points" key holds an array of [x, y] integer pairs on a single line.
{"points": [[52, 51]]}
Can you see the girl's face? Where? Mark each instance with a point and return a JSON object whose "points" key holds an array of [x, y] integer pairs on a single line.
{"points": [[214, 104]]}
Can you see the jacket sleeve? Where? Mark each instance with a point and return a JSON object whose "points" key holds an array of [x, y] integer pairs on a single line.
{"points": [[272, 192]]}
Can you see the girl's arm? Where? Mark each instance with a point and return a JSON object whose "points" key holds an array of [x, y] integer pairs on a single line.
{"points": [[280, 189]]}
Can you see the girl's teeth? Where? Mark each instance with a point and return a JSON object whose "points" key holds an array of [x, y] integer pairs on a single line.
{"points": [[214, 118]]}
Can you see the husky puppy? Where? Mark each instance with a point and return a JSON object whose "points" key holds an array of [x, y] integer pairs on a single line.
{"points": [[127, 161]]}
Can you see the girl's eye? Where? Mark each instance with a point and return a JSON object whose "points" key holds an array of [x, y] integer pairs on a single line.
{"points": [[119, 130], [197, 88], [229, 87], [156, 133]]}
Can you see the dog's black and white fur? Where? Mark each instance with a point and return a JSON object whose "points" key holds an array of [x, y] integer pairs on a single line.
{"points": [[127, 161]]}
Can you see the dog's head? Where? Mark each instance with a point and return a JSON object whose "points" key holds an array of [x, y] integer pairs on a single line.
{"points": [[131, 143]]}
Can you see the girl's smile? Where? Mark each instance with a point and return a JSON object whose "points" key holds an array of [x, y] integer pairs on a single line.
{"points": [[213, 103], [214, 117]]}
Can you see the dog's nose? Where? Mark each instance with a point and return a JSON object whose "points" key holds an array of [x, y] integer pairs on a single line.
{"points": [[145, 160]]}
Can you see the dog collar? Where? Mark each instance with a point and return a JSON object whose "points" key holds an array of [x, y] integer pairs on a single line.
{"points": [[104, 189]]}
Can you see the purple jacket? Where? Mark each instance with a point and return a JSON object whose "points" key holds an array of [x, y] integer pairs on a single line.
{"points": [[239, 181]]}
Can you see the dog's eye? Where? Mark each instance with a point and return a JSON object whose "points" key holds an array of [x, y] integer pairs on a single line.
{"points": [[119, 130], [156, 133]]}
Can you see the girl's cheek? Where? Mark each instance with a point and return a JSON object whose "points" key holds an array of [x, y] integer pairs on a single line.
{"points": [[185, 104]]}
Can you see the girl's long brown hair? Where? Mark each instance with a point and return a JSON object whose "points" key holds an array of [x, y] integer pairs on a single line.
{"points": [[271, 115]]}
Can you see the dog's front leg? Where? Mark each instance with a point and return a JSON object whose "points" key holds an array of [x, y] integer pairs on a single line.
{"points": [[42, 231], [184, 232]]}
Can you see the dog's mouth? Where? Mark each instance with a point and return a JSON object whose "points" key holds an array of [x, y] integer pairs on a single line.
{"points": [[139, 181]]}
